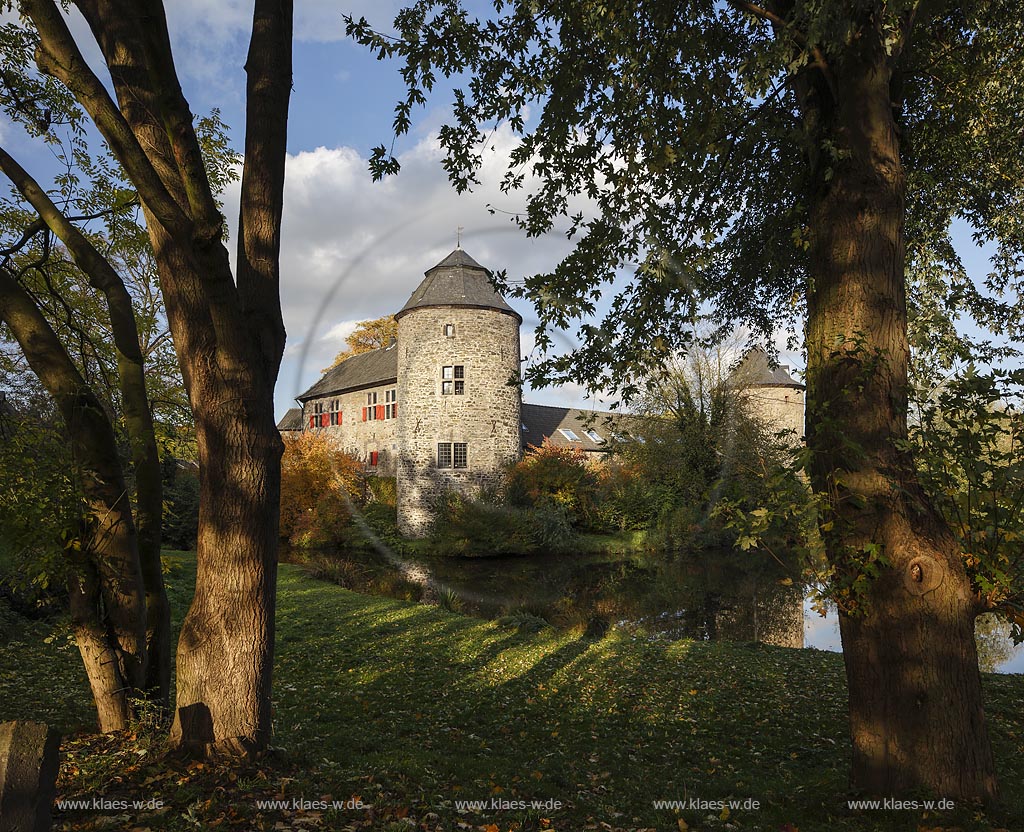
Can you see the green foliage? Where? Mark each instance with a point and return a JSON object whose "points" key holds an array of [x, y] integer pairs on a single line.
{"points": [[682, 153], [383, 490], [473, 528], [464, 527], [555, 477], [40, 507], [180, 521], [969, 443]]}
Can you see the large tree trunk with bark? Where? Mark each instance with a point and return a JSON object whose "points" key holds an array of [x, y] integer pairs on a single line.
{"points": [[228, 334], [107, 594], [226, 649], [907, 608]]}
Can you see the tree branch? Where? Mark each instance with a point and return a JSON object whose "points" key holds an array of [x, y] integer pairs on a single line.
{"points": [[58, 55], [780, 24], [269, 70]]}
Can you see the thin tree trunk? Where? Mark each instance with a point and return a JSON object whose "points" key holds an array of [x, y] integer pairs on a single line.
{"points": [[138, 420], [916, 713], [107, 592], [109, 690]]}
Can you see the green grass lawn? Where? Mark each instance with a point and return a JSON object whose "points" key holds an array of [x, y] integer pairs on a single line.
{"points": [[412, 709]]}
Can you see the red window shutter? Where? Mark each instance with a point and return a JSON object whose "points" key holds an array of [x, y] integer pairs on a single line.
{"points": [[380, 411], [339, 417], [373, 457], [364, 414], [323, 420], [312, 421]]}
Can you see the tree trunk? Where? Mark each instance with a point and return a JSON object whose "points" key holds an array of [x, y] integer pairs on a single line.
{"points": [[137, 415], [109, 691], [226, 649], [916, 714], [107, 594], [228, 334]]}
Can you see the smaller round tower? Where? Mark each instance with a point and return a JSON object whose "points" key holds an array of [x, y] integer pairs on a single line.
{"points": [[459, 399], [772, 393]]}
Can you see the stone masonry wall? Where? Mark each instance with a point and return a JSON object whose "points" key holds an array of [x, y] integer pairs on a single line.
{"points": [[781, 407], [486, 417], [356, 437]]}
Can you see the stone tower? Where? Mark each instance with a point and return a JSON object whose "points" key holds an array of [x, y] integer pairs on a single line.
{"points": [[458, 369], [771, 393]]}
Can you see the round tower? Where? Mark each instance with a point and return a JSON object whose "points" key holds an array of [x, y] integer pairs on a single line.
{"points": [[458, 394], [771, 392]]}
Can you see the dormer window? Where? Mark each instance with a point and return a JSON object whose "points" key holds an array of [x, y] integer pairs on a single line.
{"points": [[453, 381]]}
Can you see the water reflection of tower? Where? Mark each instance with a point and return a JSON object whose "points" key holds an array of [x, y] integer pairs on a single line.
{"points": [[775, 613]]}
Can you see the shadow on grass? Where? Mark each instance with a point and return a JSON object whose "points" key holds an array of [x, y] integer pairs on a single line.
{"points": [[412, 709]]}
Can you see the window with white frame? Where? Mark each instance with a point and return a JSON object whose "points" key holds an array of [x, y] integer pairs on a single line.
{"points": [[569, 434], [594, 436], [453, 380]]}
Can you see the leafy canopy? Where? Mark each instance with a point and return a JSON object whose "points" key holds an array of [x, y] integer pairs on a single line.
{"points": [[670, 137]]}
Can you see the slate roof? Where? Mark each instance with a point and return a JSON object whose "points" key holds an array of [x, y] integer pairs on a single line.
{"points": [[367, 369], [541, 421], [292, 420], [755, 371], [458, 280]]}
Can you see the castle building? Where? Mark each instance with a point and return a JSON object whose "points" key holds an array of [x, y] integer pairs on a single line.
{"points": [[771, 392], [440, 408]]}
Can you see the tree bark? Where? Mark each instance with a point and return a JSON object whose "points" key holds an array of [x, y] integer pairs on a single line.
{"points": [[916, 713], [107, 592], [229, 336]]}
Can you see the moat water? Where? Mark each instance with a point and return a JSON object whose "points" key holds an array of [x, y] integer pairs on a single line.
{"points": [[735, 596]]}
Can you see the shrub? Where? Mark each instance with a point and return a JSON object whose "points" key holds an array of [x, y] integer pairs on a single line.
{"points": [[628, 500], [523, 622], [559, 477], [467, 527], [318, 482], [383, 490], [464, 527]]}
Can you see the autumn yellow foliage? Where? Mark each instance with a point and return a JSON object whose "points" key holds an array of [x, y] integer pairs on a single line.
{"points": [[319, 484]]}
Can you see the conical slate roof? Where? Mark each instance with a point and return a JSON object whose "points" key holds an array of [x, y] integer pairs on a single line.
{"points": [[754, 371], [458, 280]]}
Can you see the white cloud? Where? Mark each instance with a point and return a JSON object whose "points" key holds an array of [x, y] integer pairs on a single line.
{"points": [[354, 249]]}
